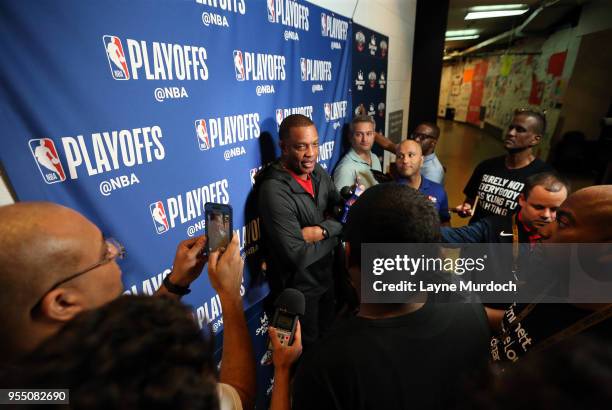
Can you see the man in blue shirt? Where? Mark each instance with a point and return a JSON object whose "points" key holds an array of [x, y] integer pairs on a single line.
{"points": [[408, 163], [426, 134]]}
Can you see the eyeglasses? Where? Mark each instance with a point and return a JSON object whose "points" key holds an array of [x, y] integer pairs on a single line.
{"points": [[114, 250], [419, 136]]}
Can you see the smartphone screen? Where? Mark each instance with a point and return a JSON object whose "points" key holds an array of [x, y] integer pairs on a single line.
{"points": [[218, 225]]}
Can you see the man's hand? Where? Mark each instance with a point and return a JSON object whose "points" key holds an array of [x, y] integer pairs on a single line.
{"points": [[189, 261], [312, 234], [283, 356], [225, 270], [464, 210]]}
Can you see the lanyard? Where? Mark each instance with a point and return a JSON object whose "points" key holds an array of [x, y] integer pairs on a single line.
{"points": [[515, 246]]}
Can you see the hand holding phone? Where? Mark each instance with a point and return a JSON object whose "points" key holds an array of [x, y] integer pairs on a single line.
{"points": [[219, 225]]}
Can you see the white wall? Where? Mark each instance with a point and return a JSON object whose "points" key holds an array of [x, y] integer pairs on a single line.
{"points": [[5, 196], [393, 18]]}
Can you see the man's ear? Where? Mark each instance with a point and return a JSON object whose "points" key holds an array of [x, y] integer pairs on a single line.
{"points": [[536, 139], [521, 200], [62, 304]]}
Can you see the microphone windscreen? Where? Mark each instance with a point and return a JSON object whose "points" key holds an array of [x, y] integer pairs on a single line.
{"points": [[346, 192], [291, 300]]}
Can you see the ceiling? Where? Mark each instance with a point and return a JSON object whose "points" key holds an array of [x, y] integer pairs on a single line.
{"points": [[555, 13]]}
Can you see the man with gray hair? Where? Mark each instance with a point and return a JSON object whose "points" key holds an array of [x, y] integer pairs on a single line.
{"points": [[357, 165]]}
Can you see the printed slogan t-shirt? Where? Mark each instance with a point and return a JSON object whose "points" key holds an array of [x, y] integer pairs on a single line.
{"points": [[498, 187]]}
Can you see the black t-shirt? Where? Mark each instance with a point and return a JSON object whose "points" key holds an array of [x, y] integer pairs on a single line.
{"points": [[516, 338], [498, 187], [411, 361]]}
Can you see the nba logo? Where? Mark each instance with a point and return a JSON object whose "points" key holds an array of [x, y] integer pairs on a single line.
{"points": [[239, 65], [158, 213], [327, 109], [45, 155], [303, 68], [271, 12], [202, 134], [323, 25], [116, 57], [279, 117]]}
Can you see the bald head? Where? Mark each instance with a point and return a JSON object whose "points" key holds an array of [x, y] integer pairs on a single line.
{"points": [[409, 159], [593, 207], [585, 217], [41, 244], [39, 241]]}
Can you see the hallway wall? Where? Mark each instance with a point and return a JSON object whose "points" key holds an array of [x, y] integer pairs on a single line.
{"points": [[531, 74], [536, 72]]}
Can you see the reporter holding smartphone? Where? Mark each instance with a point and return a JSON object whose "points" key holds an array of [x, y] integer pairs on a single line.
{"points": [[238, 360]]}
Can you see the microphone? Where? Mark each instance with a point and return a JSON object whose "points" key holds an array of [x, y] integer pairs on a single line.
{"points": [[350, 195], [347, 192], [290, 304]]}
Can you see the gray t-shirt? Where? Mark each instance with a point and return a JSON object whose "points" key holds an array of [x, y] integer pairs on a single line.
{"points": [[351, 165]]}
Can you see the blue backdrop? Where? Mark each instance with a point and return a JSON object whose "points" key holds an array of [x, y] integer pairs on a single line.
{"points": [[138, 113]]}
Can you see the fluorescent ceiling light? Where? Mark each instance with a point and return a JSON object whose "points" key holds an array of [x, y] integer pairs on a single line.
{"points": [[463, 37], [499, 7], [475, 15], [455, 33]]}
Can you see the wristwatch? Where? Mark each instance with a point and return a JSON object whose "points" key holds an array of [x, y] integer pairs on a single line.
{"points": [[325, 233], [176, 289]]}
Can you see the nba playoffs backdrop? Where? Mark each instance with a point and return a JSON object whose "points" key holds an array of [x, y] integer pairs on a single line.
{"points": [[138, 113]]}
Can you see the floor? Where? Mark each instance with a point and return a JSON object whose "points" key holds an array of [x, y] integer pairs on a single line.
{"points": [[460, 148]]}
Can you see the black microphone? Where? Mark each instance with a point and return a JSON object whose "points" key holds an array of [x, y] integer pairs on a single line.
{"points": [[290, 304], [347, 192]]}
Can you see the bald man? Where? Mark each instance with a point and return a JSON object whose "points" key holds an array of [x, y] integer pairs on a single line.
{"points": [[585, 217], [408, 163], [55, 263]]}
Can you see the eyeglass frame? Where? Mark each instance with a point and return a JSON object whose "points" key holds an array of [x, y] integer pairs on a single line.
{"points": [[121, 253]]}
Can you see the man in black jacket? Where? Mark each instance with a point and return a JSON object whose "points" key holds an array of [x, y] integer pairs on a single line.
{"points": [[295, 197]]}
